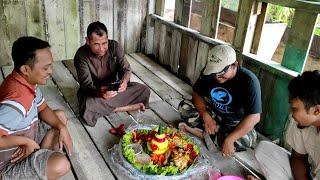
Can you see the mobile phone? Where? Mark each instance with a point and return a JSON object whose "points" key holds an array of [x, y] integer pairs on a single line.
{"points": [[114, 86]]}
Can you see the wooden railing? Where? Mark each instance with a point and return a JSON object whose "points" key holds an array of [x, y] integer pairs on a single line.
{"points": [[184, 51]]}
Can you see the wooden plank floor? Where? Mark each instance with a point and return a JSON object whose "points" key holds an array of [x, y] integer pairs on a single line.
{"points": [[91, 159]]}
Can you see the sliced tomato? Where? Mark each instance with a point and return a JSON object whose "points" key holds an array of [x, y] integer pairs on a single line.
{"points": [[161, 158], [153, 147]]}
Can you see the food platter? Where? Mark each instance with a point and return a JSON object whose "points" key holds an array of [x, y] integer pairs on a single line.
{"points": [[145, 153], [168, 152]]}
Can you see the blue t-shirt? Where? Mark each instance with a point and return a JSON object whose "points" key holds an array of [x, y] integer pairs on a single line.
{"points": [[232, 100]]}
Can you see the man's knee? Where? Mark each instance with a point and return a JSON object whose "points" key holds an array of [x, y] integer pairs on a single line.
{"points": [[144, 89], [61, 115], [58, 165]]}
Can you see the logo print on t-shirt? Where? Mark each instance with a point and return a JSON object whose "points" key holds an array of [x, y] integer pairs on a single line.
{"points": [[221, 99]]}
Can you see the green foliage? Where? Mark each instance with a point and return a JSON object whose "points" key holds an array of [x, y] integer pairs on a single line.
{"points": [[230, 4], [280, 14], [317, 32]]}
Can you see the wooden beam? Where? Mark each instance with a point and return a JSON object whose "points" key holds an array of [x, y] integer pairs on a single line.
{"points": [[258, 28], [210, 18], [187, 31], [13, 26], [209, 27], [175, 50], [54, 11], [87, 15], [135, 17], [71, 27], [243, 24], [188, 57], [304, 5], [150, 27], [34, 19], [186, 11], [165, 45], [157, 33], [105, 13], [299, 40], [120, 22], [160, 7]]}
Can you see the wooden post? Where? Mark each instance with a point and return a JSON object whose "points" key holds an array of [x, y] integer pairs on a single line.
{"points": [[188, 45], [243, 24], [210, 18], [259, 26], [150, 27], [120, 22], [159, 11], [13, 25], [186, 11], [105, 13], [176, 38], [87, 15], [71, 28], [299, 40], [209, 27]]}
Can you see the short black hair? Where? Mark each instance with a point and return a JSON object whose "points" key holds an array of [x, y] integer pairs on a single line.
{"points": [[97, 27], [23, 51], [306, 87]]}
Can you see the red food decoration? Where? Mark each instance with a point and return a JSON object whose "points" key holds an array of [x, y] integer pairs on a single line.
{"points": [[153, 147]]}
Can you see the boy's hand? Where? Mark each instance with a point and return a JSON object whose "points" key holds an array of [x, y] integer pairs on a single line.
{"points": [[65, 139], [24, 151]]}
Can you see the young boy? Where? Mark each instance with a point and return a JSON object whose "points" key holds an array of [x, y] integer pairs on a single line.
{"points": [[27, 144]]}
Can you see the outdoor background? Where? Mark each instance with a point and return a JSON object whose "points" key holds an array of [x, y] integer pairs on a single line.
{"points": [[274, 34]]}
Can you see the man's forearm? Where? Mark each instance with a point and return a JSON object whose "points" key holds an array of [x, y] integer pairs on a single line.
{"points": [[126, 77], [12, 141], [199, 104], [299, 166], [244, 127], [48, 116]]}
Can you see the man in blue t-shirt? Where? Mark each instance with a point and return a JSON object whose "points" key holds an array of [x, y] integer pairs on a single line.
{"points": [[228, 100]]}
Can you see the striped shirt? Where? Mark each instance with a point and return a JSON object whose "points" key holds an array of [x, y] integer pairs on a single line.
{"points": [[20, 103]]}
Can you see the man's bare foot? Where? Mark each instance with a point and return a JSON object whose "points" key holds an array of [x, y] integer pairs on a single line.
{"points": [[195, 131], [132, 107]]}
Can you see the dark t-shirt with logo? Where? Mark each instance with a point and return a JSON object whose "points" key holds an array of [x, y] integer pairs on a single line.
{"points": [[233, 100]]}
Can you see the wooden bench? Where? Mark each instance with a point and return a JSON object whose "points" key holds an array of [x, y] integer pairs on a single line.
{"points": [[91, 159]]}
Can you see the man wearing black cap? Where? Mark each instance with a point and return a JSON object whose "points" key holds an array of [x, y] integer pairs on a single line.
{"points": [[228, 100]]}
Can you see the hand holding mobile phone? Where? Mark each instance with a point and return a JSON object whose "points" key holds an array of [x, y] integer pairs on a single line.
{"points": [[114, 86]]}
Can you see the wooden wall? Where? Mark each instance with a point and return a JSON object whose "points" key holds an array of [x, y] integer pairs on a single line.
{"points": [[64, 23], [184, 51]]}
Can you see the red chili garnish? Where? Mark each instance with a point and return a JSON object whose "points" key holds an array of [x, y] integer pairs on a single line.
{"points": [[149, 138], [153, 132], [172, 145], [189, 147], [153, 147], [193, 154]]}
